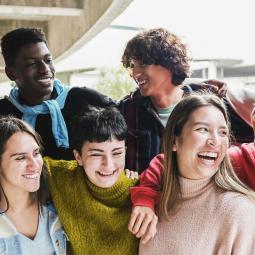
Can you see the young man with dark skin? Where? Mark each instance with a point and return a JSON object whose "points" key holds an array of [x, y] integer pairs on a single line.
{"points": [[38, 97], [159, 63]]}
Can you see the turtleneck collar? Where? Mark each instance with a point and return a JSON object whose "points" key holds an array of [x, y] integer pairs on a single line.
{"points": [[191, 188], [114, 195]]}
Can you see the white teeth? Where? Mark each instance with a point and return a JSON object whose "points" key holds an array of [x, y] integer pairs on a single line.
{"points": [[31, 176], [141, 82], [44, 79], [208, 154], [106, 174]]}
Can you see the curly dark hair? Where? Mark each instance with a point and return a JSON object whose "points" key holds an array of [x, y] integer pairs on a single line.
{"points": [[159, 47], [15, 39]]}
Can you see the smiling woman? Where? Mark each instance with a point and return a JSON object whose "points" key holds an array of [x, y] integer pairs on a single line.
{"points": [[24, 196], [203, 206]]}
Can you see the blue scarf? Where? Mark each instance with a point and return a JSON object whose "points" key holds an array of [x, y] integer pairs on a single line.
{"points": [[52, 106]]}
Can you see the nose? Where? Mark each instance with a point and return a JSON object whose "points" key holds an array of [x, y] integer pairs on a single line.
{"points": [[108, 163], [213, 140], [33, 163], [44, 67]]}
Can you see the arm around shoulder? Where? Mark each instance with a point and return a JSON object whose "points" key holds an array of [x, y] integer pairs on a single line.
{"points": [[148, 191]]}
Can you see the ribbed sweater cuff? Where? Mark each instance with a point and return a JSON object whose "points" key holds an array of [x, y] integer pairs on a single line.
{"points": [[144, 196]]}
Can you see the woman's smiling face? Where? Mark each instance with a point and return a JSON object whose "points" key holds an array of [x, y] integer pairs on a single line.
{"points": [[203, 143]]}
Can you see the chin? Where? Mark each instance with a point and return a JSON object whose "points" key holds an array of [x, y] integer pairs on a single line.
{"points": [[107, 184], [33, 189]]}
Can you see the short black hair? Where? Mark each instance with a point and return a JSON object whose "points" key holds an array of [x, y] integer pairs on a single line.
{"points": [[97, 125], [158, 46], [15, 39]]}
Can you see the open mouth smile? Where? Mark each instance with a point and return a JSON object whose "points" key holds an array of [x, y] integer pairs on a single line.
{"points": [[32, 176], [208, 156], [106, 174]]}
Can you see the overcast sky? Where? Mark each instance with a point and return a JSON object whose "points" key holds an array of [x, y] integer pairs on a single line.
{"points": [[211, 28]]}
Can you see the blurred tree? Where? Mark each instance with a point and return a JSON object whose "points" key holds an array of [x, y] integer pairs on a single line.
{"points": [[115, 82]]}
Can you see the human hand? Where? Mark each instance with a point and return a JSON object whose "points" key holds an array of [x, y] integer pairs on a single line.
{"points": [[143, 222], [131, 174], [219, 87]]}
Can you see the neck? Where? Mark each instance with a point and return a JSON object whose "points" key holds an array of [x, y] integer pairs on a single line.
{"points": [[168, 97], [32, 101], [18, 200]]}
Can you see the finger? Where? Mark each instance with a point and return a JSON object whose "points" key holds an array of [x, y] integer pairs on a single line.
{"points": [[133, 219], [223, 89], [134, 175], [211, 87], [144, 225], [127, 172], [137, 224], [152, 230]]}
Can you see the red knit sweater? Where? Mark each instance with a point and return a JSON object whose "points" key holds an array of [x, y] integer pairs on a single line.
{"points": [[243, 161], [147, 194]]}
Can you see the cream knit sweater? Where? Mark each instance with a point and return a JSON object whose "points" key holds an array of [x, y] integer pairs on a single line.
{"points": [[208, 222]]}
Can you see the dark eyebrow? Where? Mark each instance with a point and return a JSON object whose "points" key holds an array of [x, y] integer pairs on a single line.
{"points": [[33, 58], [119, 148], [99, 150], [206, 124], [22, 153], [18, 154]]}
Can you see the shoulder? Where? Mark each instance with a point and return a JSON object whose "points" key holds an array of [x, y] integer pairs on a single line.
{"points": [[53, 165], [6, 227], [125, 181], [89, 96], [132, 102], [6, 107], [237, 208], [134, 97]]}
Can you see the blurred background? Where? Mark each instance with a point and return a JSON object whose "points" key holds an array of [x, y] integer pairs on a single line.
{"points": [[219, 34]]}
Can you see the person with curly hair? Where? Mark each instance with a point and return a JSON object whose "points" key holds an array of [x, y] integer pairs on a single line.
{"points": [[159, 62]]}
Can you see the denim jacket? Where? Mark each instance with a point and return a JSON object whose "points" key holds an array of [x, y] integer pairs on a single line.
{"points": [[9, 241]]}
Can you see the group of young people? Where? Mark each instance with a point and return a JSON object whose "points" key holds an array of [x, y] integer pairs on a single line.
{"points": [[76, 198]]}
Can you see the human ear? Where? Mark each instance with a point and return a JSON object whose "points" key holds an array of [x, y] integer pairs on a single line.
{"points": [[77, 156], [10, 72]]}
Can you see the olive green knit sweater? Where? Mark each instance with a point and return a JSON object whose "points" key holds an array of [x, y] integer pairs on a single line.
{"points": [[95, 219]]}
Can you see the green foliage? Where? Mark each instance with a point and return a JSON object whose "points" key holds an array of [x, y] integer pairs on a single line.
{"points": [[115, 83]]}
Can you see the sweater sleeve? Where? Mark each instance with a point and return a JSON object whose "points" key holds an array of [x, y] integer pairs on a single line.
{"points": [[243, 161], [86, 96], [148, 191]]}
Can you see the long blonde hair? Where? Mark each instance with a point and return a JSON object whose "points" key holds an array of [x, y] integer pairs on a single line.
{"points": [[225, 178]]}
